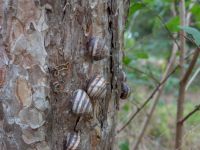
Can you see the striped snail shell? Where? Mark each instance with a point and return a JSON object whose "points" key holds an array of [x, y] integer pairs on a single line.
{"points": [[72, 141], [125, 91], [97, 48], [122, 76], [97, 87], [81, 102]]}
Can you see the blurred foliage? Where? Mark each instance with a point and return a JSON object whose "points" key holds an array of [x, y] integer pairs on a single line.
{"points": [[148, 45], [124, 145]]}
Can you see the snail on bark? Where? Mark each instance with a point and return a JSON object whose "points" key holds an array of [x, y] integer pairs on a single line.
{"points": [[81, 102], [125, 91], [97, 87], [72, 141], [122, 76], [97, 48]]}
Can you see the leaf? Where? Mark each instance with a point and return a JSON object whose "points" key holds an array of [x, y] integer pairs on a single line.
{"points": [[195, 10], [124, 145], [194, 32], [134, 7], [173, 23], [141, 55], [127, 60], [126, 107]]}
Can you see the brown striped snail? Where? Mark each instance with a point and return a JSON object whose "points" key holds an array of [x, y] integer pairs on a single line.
{"points": [[97, 87], [81, 102], [72, 141], [97, 48], [125, 91]]}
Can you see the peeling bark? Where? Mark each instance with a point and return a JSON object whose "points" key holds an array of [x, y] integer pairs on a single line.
{"points": [[44, 59]]}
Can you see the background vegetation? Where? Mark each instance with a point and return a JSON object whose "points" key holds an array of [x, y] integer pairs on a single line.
{"points": [[150, 34]]}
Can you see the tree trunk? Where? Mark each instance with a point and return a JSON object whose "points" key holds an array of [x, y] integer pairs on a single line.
{"points": [[44, 59]]}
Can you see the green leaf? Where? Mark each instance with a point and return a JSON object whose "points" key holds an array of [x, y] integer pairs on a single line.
{"points": [[134, 7], [127, 60], [195, 10], [124, 145], [126, 107], [194, 32], [173, 23], [141, 55]]}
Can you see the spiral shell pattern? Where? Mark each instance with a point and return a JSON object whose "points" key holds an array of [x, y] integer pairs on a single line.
{"points": [[81, 102], [72, 141], [97, 87], [97, 48], [125, 91]]}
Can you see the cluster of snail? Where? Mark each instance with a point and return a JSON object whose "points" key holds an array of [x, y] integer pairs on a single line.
{"points": [[96, 89]]}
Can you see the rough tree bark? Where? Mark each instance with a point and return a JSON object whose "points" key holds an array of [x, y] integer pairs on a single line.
{"points": [[43, 60]]}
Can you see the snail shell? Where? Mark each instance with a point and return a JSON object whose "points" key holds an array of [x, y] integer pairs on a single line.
{"points": [[97, 87], [97, 48], [125, 91], [122, 76], [72, 141], [81, 102]]}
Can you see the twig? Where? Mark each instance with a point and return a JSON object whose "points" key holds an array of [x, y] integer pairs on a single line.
{"points": [[151, 96], [192, 78], [191, 66], [142, 72], [163, 23], [189, 114], [147, 100], [157, 97], [166, 28], [189, 39], [181, 96]]}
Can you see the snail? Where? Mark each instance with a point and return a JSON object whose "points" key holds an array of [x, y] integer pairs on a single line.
{"points": [[122, 76], [125, 91], [97, 87], [97, 48], [81, 102], [72, 141]]}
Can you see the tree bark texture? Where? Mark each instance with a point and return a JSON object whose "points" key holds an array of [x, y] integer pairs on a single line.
{"points": [[43, 60]]}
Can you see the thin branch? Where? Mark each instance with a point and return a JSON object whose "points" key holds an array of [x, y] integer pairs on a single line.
{"points": [[197, 108], [164, 25], [192, 78], [147, 100], [142, 72], [189, 14], [152, 95], [161, 20], [191, 66], [157, 97], [181, 95], [189, 39]]}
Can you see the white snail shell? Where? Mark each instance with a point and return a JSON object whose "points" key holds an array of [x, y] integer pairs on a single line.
{"points": [[72, 141], [125, 91], [97, 48], [97, 87], [81, 102]]}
